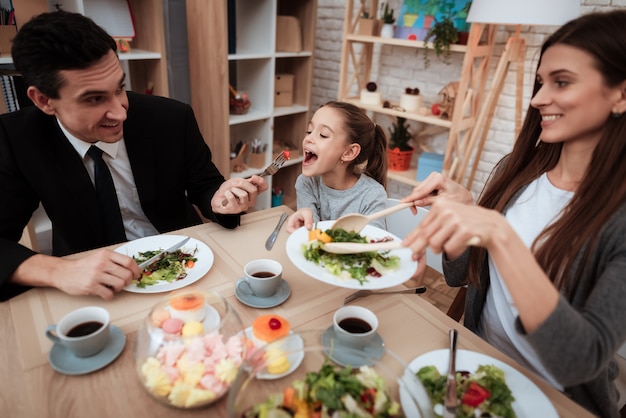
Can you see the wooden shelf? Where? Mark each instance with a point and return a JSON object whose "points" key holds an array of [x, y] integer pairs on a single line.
{"points": [[407, 177], [398, 42], [252, 69], [146, 59], [428, 119], [357, 57]]}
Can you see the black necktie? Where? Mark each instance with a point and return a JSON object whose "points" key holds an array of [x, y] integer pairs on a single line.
{"points": [[107, 199]]}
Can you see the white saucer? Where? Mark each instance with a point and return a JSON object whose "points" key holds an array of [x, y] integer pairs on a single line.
{"points": [[281, 295], [293, 345], [64, 361], [345, 356]]}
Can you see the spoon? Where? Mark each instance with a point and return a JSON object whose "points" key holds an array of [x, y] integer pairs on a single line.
{"points": [[360, 247], [356, 221]]}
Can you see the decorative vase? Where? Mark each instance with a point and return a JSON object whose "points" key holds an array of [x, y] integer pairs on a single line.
{"points": [[463, 38], [387, 31], [399, 160]]}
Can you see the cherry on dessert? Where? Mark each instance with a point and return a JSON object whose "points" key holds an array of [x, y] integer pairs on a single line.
{"points": [[371, 86], [274, 323]]}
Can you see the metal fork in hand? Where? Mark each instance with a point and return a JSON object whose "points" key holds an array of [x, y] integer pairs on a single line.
{"points": [[364, 292], [271, 169]]}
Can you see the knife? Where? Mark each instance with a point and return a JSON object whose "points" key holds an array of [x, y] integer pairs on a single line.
{"points": [[272, 238], [162, 253], [450, 402]]}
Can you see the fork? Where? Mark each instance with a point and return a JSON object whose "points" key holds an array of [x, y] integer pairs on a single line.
{"points": [[366, 292], [271, 169]]}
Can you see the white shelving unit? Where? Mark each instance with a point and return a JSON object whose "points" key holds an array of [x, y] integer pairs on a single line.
{"points": [[251, 69], [146, 61]]}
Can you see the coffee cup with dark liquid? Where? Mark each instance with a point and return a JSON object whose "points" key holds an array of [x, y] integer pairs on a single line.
{"points": [[354, 326], [85, 331], [262, 278]]}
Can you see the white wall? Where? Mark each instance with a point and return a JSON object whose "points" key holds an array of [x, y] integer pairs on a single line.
{"points": [[402, 67]]}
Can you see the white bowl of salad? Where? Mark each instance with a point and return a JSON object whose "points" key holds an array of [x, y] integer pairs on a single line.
{"points": [[319, 387]]}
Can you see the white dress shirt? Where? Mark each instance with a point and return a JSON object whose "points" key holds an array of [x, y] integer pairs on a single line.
{"points": [[135, 221]]}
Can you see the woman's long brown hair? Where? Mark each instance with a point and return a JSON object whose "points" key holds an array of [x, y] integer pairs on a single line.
{"points": [[603, 188]]}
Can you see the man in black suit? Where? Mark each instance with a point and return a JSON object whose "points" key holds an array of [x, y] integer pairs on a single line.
{"points": [[159, 162]]}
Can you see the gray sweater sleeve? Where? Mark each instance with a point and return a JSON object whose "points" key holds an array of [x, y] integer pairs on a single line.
{"points": [[579, 339]]}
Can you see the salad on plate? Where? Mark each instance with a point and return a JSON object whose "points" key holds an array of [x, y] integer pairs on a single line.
{"points": [[356, 266], [332, 391], [483, 393], [171, 267]]}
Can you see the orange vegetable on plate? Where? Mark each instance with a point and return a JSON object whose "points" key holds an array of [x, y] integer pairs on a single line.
{"points": [[319, 235]]}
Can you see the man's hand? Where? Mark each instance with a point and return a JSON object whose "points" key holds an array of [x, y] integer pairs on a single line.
{"points": [[237, 195], [102, 273]]}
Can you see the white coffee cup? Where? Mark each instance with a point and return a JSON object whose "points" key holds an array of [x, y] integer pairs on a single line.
{"points": [[84, 331], [355, 326], [262, 278]]}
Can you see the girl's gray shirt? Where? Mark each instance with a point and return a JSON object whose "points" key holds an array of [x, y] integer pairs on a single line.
{"points": [[365, 197]]}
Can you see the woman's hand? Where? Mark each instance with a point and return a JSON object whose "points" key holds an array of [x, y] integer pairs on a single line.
{"points": [[450, 226], [436, 186], [302, 217], [237, 195]]}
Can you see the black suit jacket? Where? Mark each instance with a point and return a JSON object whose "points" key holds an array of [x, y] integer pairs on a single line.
{"points": [[170, 161]]}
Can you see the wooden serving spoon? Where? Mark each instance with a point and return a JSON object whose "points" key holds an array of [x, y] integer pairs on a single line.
{"points": [[360, 247], [356, 221]]}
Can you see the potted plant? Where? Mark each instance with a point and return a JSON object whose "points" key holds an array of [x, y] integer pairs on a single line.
{"points": [[388, 21], [443, 33], [400, 151]]}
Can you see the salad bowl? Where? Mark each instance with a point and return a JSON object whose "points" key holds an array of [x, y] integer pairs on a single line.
{"points": [[372, 379]]}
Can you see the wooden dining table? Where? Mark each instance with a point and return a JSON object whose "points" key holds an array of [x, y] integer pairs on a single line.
{"points": [[30, 387]]}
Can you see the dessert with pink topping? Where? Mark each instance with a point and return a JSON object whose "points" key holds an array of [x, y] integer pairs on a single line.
{"points": [[188, 362]]}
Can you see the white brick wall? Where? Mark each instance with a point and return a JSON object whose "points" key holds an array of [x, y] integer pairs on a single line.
{"points": [[399, 67]]}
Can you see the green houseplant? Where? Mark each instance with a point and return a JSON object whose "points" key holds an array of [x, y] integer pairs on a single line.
{"points": [[400, 151], [443, 33], [388, 21], [388, 17]]}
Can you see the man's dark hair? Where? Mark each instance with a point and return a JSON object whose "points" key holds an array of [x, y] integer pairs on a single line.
{"points": [[56, 41]]}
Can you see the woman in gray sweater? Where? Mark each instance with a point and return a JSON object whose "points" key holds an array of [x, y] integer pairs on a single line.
{"points": [[546, 281]]}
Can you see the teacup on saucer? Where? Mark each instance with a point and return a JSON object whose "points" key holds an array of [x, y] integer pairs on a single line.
{"points": [[282, 294], [348, 356], [64, 361]]}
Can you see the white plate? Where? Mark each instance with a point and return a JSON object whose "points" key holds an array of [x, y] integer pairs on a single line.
{"points": [[404, 273], [530, 401], [161, 242], [294, 346]]}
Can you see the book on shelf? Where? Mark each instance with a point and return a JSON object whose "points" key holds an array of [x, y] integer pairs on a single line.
{"points": [[14, 95]]}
